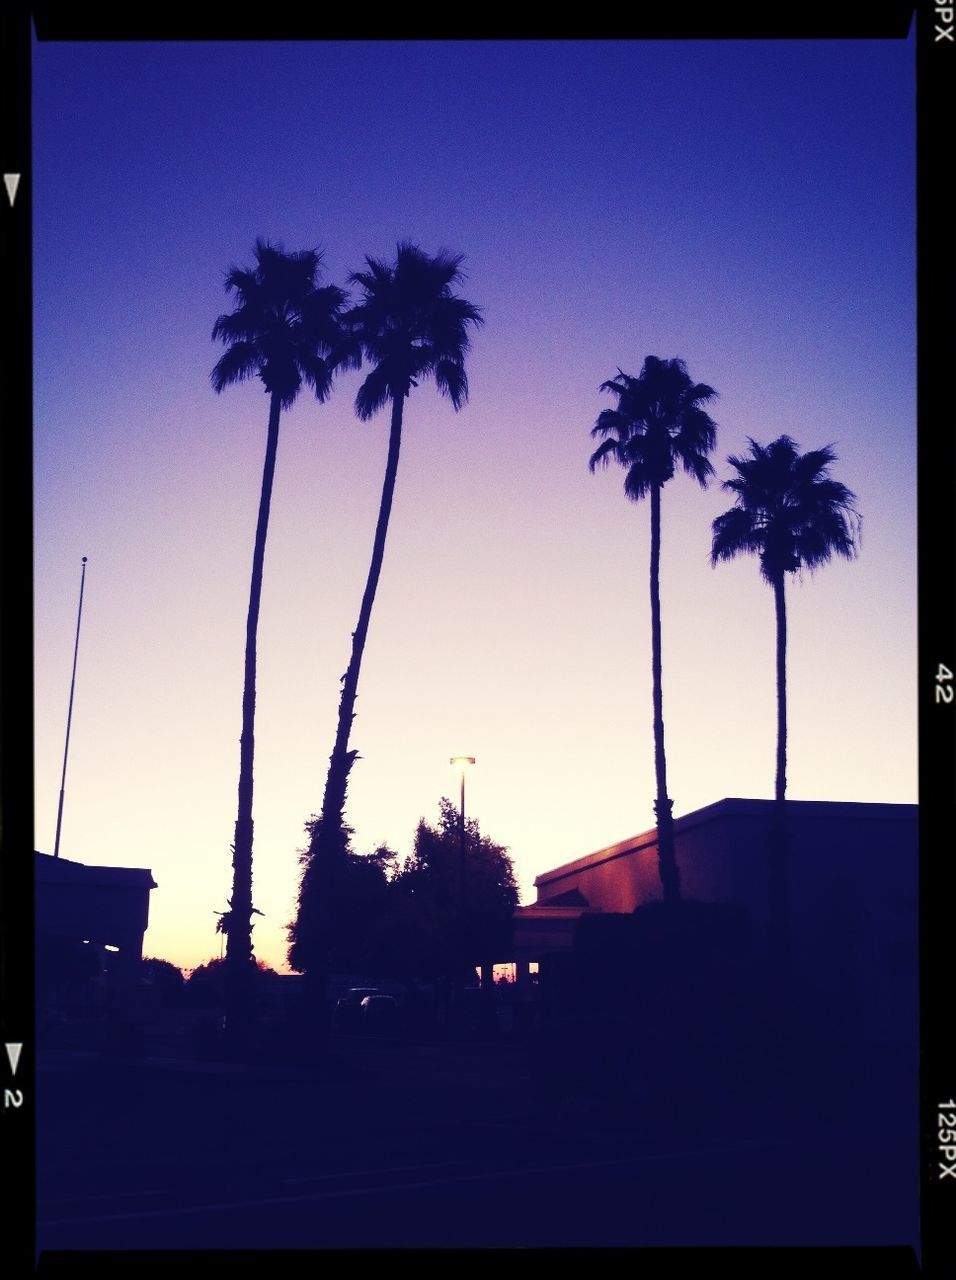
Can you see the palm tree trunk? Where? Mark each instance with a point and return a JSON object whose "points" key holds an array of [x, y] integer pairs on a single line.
{"points": [[239, 1004], [329, 841], [667, 861], [779, 909]]}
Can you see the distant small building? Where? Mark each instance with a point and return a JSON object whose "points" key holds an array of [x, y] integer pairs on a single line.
{"points": [[853, 895], [102, 907]]}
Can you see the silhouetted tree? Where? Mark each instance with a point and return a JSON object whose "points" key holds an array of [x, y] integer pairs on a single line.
{"points": [[167, 980], [436, 926], [790, 513], [358, 884], [204, 986], [658, 425], [285, 331], [409, 325], [207, 986]]}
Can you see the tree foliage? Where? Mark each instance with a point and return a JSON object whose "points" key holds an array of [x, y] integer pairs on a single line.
{"points": [[452, 916], [411, 920], [410, 325], [788, 510], [166, 979]]}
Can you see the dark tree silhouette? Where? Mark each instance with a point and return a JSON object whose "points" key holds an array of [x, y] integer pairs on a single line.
{"points": [[409, 325], [285, 330], [792, 515], [166, 978], [358, 884], [421, 927], [659, 425]]}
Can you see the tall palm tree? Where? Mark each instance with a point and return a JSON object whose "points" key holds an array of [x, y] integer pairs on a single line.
{"points": [[659, 425], [410, 325], [285, 330], [793, 515]]}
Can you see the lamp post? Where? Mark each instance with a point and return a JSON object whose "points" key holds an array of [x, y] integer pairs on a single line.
{"points": [[462, 763]]}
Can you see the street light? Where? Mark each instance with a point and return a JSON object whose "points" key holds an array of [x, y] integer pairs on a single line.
{"points": [[461, 763]]}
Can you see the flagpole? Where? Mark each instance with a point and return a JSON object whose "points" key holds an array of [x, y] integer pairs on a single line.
{"points": [[69, 716]]}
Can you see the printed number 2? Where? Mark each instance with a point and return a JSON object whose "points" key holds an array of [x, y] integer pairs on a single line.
{"points": [[12, 1098]]}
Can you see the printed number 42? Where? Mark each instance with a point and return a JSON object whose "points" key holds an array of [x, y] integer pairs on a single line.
{"points": [[944, 687]]}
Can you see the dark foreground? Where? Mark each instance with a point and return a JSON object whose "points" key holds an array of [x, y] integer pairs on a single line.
{"points": [[392, 1144]]}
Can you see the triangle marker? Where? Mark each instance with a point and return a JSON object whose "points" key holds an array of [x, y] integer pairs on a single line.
{"points": [[11, 181], [13, 1054]]}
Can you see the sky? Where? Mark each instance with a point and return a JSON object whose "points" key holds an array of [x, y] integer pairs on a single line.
{"points": [[745, 206]]}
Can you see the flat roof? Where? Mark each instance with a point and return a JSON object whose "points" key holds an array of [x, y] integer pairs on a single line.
{"points": [[734, 806], [61, 870]]}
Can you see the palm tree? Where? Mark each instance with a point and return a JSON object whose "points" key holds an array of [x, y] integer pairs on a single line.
{"points": [[285, 330], [793, 515], [410, 325], [659, 425]]}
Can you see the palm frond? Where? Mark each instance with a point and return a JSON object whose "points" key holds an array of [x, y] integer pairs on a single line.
{"points": [[659, 424], [374, 392], [734, 533], [640, 479], [601, 454], [788, 510], [317, 372], [238, 362], [284, 327], [410, 326], [452, 381]]}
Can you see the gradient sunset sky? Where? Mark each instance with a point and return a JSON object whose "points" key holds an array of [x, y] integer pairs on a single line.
{"points": [[747, 206]]}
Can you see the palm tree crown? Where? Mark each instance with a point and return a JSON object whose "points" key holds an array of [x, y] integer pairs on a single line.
{"points": [[789, 511], [284, 329], [411, 326], [659, 423]]}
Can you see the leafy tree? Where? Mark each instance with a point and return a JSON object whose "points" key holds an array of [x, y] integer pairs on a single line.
{"points": [[659, 425], [359, 886], [165, 978], [410, 325], [285, 330], [443, 922], [207, 986], [792, 515]]}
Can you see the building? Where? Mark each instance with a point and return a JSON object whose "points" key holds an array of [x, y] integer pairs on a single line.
{"points": [[102, 907], [853, 895]]}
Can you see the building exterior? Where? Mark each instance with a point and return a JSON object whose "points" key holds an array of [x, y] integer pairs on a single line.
{"points": [[853, 895], [103, 907]]}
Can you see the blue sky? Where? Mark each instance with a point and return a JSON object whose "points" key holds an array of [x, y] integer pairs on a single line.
{"points": [[748, 207]]}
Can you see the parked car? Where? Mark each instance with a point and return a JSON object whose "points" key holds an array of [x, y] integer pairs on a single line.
{"points": [[348, 1008], [379, 1013]]}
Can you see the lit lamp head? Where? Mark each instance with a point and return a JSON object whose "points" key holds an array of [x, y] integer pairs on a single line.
{"points": [[461, 763]]}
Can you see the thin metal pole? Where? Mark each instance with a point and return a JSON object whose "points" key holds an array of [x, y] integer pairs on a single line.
{"points": [[461, 842], [69, 716]]}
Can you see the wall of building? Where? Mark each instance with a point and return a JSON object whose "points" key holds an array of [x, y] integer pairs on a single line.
{"points": [[108, 906], [853, 883]]}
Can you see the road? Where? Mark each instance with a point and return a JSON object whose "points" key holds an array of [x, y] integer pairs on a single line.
{"points": [[427, 1146]]}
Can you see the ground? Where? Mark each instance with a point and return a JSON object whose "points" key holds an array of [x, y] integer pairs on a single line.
{"points": [[397, 1143]]}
